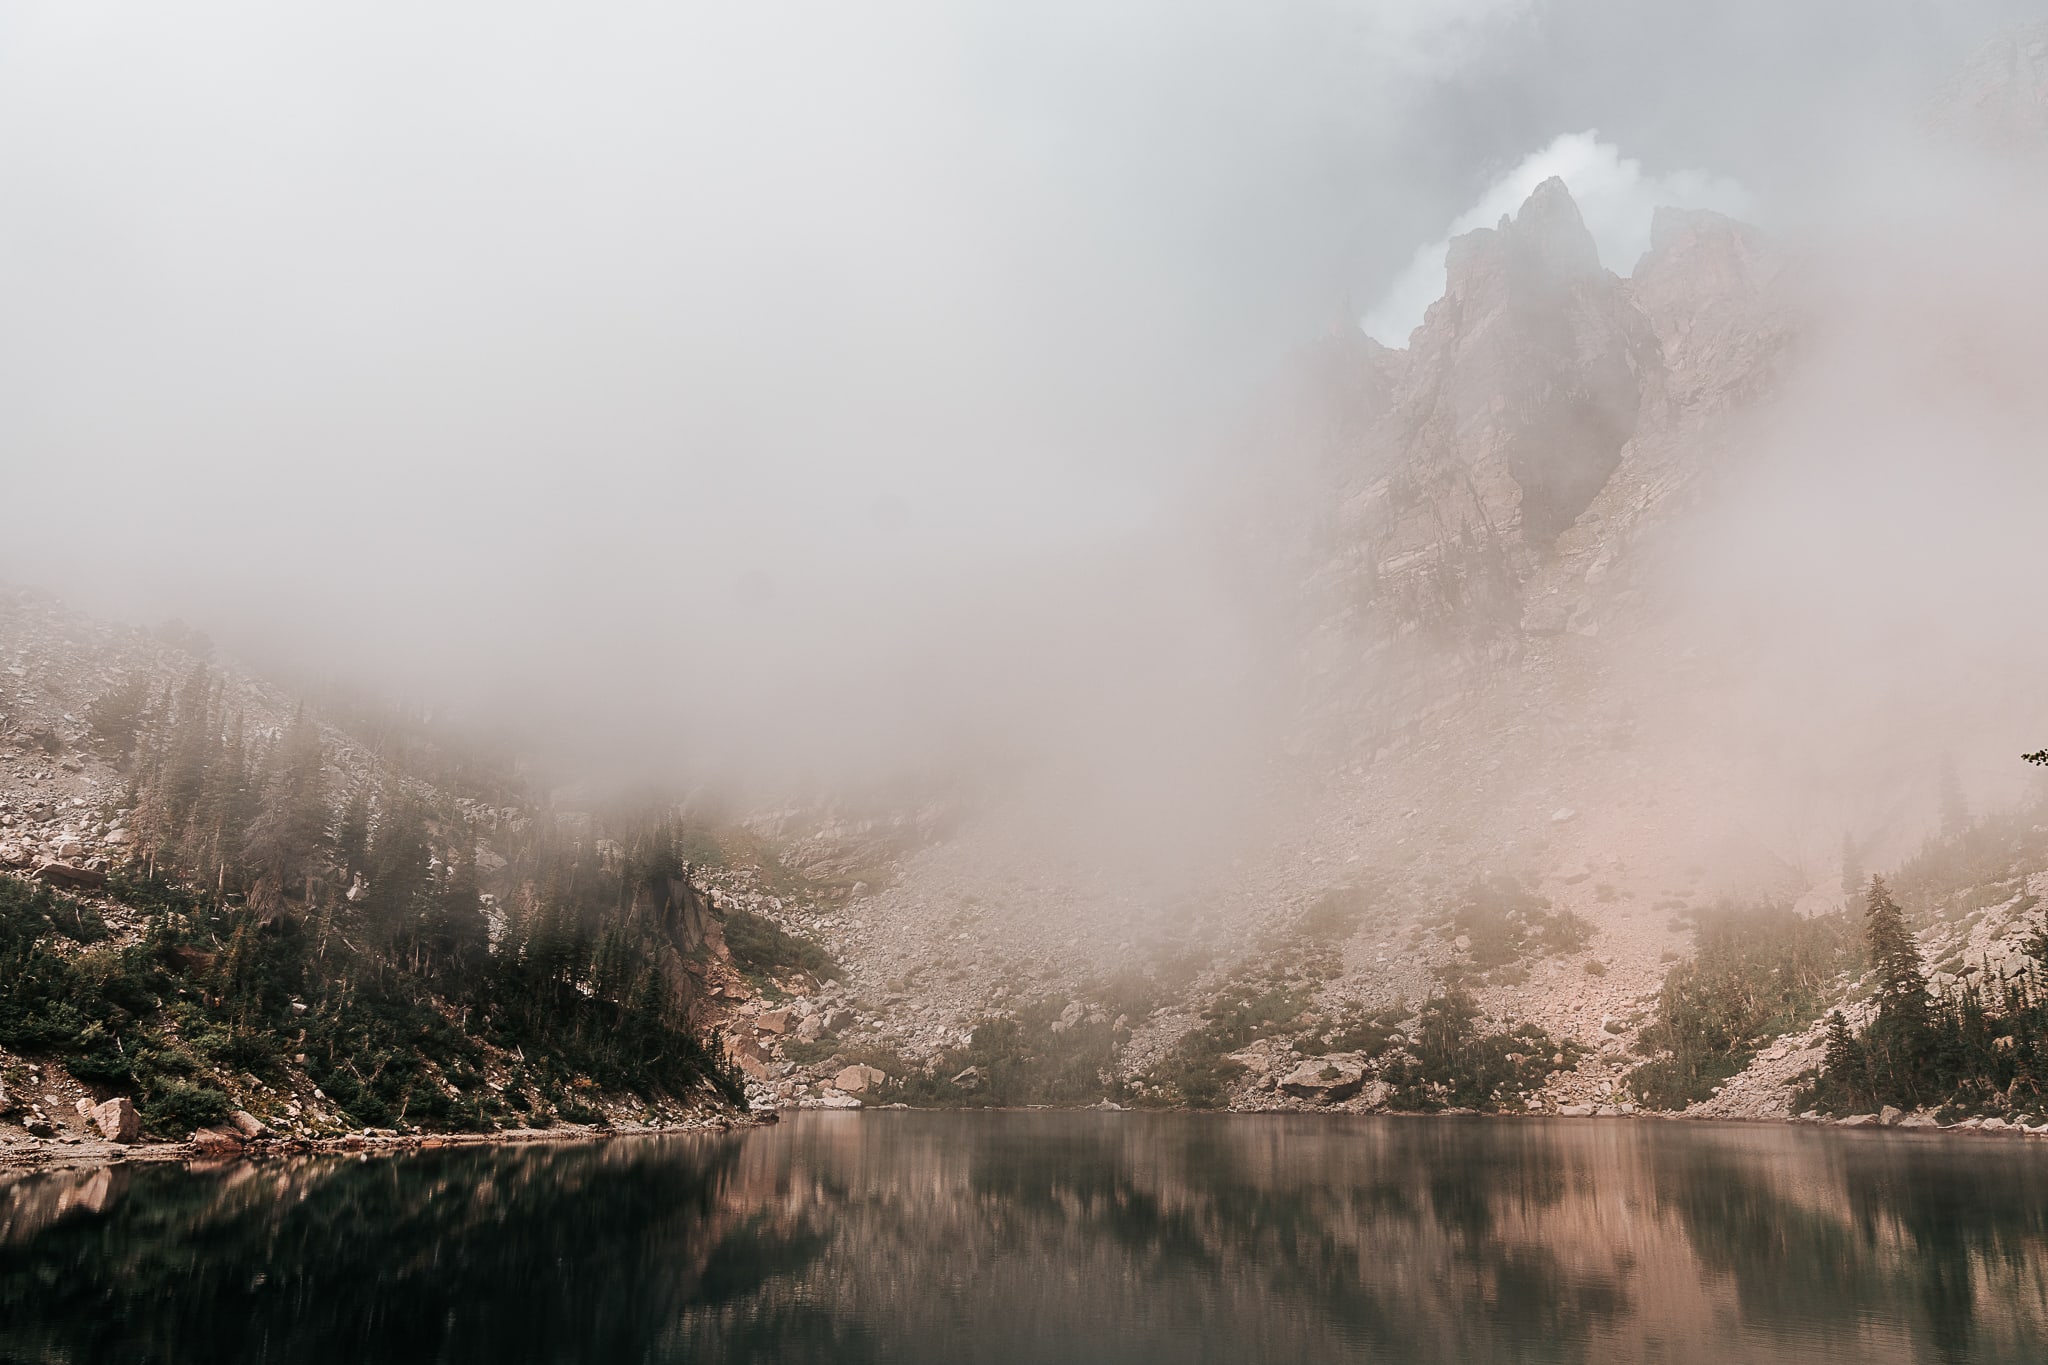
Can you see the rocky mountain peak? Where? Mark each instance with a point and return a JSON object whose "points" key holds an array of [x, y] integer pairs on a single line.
{"points": [[1524, 379], [1999, 101], [1542, 250]]}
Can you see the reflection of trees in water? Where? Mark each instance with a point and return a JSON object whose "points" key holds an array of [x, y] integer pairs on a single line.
{"points": [[1872, 1228], [1055, 1237], [580, 1253]]}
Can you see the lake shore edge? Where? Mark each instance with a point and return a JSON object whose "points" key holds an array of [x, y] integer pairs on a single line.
{"points": [[28, 1155]]}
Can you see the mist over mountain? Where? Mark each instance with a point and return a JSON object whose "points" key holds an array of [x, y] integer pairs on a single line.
{"points": [[693, 395], [1225, 556]]}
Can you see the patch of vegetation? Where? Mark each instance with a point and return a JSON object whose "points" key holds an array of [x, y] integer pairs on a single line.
{"points": [[214, 992], [1753, 974], [1453, 1061], [1504, 922], [1368, 1032], [762, 948], [1335, 915], [1029, 1056], [1198, 1071], [1977, 1047]]}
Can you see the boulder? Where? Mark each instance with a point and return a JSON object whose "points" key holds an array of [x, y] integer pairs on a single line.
{"points": [[1576, 1111], [216, 1142], [838, 1020], [1920, 1120], [858, 1079], [248, 1125], [1858, 1121], [830, 1101], [1890, 1115], [1327, 1080], [970, 1079], [773, 1021], [811, 1029], [117, 1120], [119, 838], [64, 874], [70, 849]]}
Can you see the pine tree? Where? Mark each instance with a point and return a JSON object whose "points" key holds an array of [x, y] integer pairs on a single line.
{"points": [[455, 936], [1893, 949], [117, 715], [1844, 1064], [289, 833], [352, 837], [1899, 1042], [398, 859], [178, 777], [1852, 869], [213, 842]]}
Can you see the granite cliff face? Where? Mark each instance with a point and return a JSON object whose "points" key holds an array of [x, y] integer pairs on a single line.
{"points": [[1542, 410]]}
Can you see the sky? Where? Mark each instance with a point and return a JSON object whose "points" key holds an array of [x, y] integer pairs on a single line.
{"points": [[691, 380]]}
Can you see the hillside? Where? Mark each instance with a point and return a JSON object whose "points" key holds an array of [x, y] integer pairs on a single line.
{"points": [[1548, 730], [219, 903]]}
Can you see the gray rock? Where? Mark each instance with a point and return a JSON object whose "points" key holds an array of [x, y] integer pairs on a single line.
{"points": [[1327, 1080], [1576, 1111], [117, 1120], [1890, 1115], [859, 1079], [64, 874], [1858, 1121]]}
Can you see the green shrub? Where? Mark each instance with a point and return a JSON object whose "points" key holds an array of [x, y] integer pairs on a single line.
{"points": [[761, 947], [175, 1108], [1454, 1061]]}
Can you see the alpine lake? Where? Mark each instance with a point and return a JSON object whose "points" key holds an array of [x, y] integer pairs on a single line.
{"points": [[1042, 1236]]}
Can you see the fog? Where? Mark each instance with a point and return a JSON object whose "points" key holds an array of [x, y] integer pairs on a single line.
{"points": [[816, 394]]}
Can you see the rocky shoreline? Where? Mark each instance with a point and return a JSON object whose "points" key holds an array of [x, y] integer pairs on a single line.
{"points": [[25, 1154]]}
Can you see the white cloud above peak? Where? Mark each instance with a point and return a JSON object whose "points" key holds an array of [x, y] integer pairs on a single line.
{"points": [[1615, 196]]}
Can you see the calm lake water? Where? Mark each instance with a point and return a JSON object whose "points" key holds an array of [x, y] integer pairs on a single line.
{"points": [[1058, 1237]]}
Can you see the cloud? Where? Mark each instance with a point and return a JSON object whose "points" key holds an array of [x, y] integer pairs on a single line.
{"points": [[1614, 195]]}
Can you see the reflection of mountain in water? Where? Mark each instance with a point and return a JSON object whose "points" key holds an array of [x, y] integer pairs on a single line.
{"points": [[1044, 1237]]}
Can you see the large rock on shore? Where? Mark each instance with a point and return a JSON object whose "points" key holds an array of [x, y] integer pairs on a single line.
{"points": [[857, 1079], [1328, 1080], [117, 1120]]}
